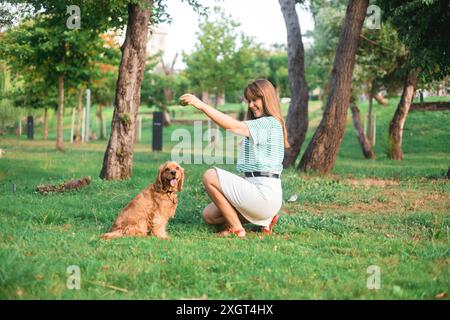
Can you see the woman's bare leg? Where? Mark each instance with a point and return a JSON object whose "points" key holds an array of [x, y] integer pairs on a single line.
{"points": [[212, 215], [212, 185]]}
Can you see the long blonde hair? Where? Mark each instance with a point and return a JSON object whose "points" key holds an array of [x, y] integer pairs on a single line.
{"points": [[263, 89]]}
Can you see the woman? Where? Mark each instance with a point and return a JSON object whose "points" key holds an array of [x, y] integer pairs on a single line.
{"points": [[256, 197]]}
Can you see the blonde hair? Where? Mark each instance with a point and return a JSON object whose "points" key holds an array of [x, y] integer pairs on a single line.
{"points": [[264, 90]]}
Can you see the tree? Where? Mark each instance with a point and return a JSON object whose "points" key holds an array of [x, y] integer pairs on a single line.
{"points": [[103, 89], [7, 112], [103, 94], [380, 55], [297, 118], [64, 54], [278, 71], [162, 88], [49, 53], [98, 17], [365, 143], [423, 27], [222, 60], [328, 19], [31, 92], [398, 121], [322, 150], [118, 158]]}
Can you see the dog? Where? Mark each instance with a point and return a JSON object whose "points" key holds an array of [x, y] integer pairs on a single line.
{"points": [[150, 211]]}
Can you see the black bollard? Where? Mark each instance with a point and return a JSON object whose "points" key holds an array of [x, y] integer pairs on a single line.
{"points": [[157, 131], [30, 128]]}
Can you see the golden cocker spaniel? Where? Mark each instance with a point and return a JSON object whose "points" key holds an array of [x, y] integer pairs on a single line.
{"points": [[150, 211]]}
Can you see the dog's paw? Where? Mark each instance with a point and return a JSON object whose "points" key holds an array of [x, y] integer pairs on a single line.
{"points": [[105, 236], [112, 235]]}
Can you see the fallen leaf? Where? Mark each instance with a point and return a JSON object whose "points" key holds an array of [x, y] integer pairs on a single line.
{"points": [[293, 198], [388, 235], [441, 295]]}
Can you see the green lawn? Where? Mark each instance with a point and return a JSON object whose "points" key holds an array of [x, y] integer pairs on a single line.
{"points": [[391, 214]]}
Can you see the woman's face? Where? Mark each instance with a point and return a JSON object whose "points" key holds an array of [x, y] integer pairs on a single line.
{"points": [[256, 107]]}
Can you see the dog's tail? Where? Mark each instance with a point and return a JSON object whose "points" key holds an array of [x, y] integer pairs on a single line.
{"points": [[113, 234]]}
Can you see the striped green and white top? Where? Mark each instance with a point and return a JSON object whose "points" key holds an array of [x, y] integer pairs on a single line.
{"points": [[264, 149]]}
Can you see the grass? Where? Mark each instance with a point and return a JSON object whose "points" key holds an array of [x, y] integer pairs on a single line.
{"points": [[392, 214]]}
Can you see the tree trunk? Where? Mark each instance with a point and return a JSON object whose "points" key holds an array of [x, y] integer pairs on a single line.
{"points": [[221, 99], [398, 121], [320, 97], [168, 94], [370, 118], [206, 98], [60, 113], [297, 117], [323, 149], [102, 122], [80, 115], [46, 124], [166, 118], [365, 143], [380, 99], [326, 93], [72, 126], [118, 159]]}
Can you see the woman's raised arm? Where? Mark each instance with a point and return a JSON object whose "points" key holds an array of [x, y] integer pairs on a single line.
{"points": [[224, 121]]}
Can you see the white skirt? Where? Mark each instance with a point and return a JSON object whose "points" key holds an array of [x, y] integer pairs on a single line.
{"points": [[258, 199]]}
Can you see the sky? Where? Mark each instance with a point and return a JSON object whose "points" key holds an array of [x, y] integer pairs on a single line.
{"points": [[261, 19]]}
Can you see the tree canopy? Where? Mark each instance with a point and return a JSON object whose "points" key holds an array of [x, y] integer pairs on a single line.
{"points": [[224, 58], [422, 26]]}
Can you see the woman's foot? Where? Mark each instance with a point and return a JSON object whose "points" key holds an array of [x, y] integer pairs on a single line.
{"points": [[240, 233], [268, 230]]}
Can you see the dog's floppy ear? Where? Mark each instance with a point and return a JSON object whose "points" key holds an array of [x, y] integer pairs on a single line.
{"points": [[181, 181], [158, 182]]}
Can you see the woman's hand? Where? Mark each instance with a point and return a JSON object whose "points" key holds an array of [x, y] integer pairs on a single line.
{"points": [[192, 100]]}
